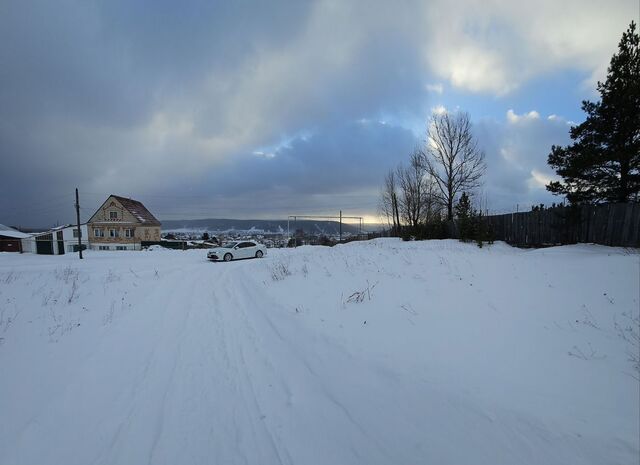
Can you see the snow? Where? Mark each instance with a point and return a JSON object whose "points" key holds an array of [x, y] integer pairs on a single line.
{"points": [[6, 231], [378, 352]]}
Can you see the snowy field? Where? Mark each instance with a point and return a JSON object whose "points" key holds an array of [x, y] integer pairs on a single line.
{"points": [[378, 352]]}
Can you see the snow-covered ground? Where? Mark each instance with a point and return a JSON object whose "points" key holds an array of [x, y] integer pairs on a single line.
{"points": [[378, 352]]}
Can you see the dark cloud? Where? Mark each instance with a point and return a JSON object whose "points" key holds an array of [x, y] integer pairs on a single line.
{"points": [[337, 159], [158, 98], [169, 101]]}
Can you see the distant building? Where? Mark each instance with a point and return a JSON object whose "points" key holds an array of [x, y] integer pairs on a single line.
{"points": [[122, 224], [11, 239], [56, 241]]}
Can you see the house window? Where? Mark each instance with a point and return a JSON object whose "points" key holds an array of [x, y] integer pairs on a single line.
{"points": [[76, 233], [98, 232], [121, 247], [113, 233], [103, 247], [128, 233], [113, 215]]}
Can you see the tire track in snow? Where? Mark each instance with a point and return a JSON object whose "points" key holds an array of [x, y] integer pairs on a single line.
{"points": [[243, 334], [250, 301], [164, 351]]}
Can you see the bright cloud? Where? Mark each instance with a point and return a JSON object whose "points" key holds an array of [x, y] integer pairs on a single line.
{"points": [[435, 88], [514, 118], [495, 46]]}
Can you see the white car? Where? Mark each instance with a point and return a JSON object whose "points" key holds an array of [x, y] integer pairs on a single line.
{"points": [[236, 250]]}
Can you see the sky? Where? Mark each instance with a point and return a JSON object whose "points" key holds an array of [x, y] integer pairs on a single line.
{"points": [[204, 109]]}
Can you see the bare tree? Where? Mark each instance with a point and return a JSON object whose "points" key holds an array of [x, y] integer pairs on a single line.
{"points": [[432, 202], [452, 157], [417, 202], [389, 201]]}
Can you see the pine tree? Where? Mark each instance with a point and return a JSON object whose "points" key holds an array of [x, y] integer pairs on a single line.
{"points": [[464, 214], [463, 208], [603, 164]]}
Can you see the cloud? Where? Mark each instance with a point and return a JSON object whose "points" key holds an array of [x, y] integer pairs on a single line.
{"points": [[540, 180], [336, 160], [438, 110], [158, 98], [114, 97], [513, 118], [436, 88], [473, 68], [516, 154], [495, 46]]}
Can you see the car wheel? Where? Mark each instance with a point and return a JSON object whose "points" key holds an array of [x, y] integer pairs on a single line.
{"points": [[227, 257], [259, 254]]}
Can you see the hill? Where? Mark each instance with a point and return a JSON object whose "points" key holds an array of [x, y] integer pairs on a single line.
{"points": [[216, 225]]}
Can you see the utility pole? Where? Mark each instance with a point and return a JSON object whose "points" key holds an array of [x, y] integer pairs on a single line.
{"points": [[78, 223], [340, 225]]}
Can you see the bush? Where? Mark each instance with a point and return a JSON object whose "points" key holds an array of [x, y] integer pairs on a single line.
{"points": [[436, 229]]}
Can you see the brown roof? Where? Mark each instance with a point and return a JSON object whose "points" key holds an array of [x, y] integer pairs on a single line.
{"points": [[138, 210]]}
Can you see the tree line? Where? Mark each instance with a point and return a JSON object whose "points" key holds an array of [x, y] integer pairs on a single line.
{"points": [[440, 179]]}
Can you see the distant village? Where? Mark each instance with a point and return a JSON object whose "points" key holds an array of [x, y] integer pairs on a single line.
{"points": [[123, 223]]}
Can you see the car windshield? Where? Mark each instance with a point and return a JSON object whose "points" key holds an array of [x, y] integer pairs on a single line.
{"points": [[229, 245]]}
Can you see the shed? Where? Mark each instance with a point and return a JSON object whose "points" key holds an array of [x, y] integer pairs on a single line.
{"points": [[10, 239]]}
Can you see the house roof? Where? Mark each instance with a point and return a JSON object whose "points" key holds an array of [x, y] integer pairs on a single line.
{"points": [[138, 210], [6, 231]]}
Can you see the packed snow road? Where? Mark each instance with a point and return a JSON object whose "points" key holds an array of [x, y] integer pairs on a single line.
{"points": [[370, 353]]}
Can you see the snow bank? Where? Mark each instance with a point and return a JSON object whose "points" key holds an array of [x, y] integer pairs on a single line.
{"points": [[372, 352]]}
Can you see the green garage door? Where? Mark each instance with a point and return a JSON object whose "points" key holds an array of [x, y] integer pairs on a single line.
{"points": [[60, 243], [44, 244]]}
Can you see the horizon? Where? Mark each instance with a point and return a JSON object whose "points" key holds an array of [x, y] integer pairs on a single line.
{"points": [[346, 221]]}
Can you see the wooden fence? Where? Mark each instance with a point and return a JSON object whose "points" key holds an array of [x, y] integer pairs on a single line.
{"points": [[606, 224]]}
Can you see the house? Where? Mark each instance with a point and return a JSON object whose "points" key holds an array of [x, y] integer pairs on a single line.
{"points": [[56, 241], [11, 239], [122, 224]]}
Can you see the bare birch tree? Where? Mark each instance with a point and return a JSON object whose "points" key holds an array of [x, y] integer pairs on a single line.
{"points": [[417, 200], [452, 157]]}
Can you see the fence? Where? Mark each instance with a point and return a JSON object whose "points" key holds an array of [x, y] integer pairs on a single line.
{"points": [[606, 224]]}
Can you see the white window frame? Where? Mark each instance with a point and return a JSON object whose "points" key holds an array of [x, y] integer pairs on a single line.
{"points": [[104, 247], [113, 215], [128, 233], [97, 232], [113, 233], [76, 233]]}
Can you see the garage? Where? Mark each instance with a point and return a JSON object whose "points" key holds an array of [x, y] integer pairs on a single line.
{"points": [[44, 244], [10, 244], [10, 239]]}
